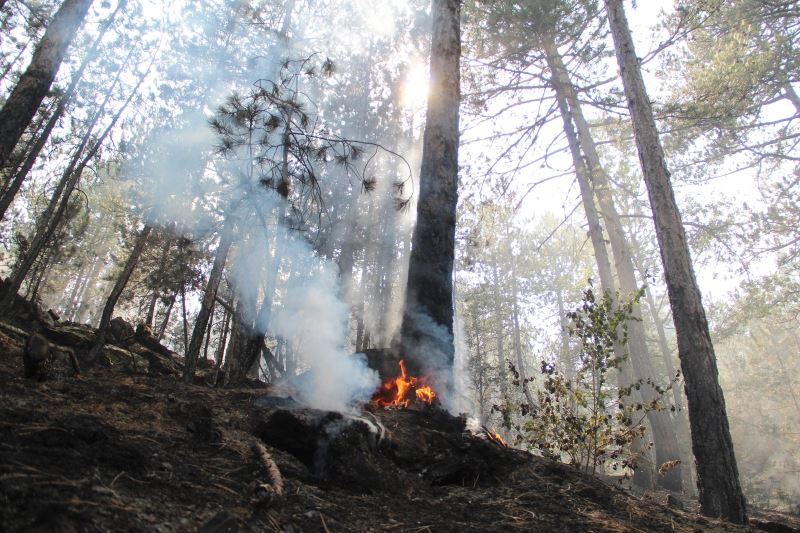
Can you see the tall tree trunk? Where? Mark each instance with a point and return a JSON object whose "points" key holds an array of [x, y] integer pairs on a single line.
{"points": [[427, 329], [665, 441], [208, 334], [523, 373], [717, 473], [116, 292], [499, 333], [185, 321], [209, 298], [223, 338], [569, 365], [644, 475], [19, 176], [26, 97], [167, 314]]}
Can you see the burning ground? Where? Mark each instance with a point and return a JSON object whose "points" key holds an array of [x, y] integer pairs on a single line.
{"points": [[131, 447]]}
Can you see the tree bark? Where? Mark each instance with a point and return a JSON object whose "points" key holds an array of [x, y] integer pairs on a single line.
{"points": [[427, 328], [717, 473], [26, 97], [116, 292], [209, 298]]}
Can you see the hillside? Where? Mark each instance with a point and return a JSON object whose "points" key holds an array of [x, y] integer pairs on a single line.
{"points": [[130, 447]]}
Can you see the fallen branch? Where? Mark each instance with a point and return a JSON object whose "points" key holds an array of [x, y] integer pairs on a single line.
{"points": [[268, 492]]}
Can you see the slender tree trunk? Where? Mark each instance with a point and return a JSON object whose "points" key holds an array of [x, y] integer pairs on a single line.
{"points": [[223, 338], [569, 365], [167, 314], [209, 298], [53, 215], [665, 441], [185, 321], [499, 330], [644, 475], [208, 334], [13, 61], [26, 97], [717, 473], [429, 296], [19, 176], [523, 373], [116, 292]]}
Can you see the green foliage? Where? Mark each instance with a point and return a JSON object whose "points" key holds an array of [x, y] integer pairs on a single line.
{"points": [[585, 420]]}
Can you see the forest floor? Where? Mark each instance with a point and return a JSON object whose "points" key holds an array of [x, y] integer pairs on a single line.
{"points": [[126, 449]]}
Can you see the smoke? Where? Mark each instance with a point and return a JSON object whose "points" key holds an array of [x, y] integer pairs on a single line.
{"points": [[314, 319], [188, 186]]}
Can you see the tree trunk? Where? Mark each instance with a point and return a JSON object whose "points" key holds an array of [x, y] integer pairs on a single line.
{"points": [[665, 441], [50, 219], [209, 299], [167, 314], [185, 321], [499, 333], [223, 338], [717, 473], [116, 292], [644, 475], [427, 329], [19, 176], [523, 373], [26, 97]]}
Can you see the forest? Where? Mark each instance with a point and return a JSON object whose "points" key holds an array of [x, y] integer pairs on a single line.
{"points": [[571, 225]]}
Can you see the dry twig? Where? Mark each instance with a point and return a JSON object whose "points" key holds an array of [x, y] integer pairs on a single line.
{"points": [[274, 489]]}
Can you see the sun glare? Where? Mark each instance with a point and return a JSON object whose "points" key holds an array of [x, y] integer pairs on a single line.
{"points": [[415, 88]]}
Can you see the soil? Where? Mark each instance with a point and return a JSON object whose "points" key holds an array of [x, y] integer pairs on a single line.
{"points": [[132, 448]]}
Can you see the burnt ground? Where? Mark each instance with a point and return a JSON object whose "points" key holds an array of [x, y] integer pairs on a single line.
{"points": [[128, 448]]}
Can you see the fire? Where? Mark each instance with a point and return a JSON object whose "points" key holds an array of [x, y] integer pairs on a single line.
{"points": [[495, 436], [399, 391]]}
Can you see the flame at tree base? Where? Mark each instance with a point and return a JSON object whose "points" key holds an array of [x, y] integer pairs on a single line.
{"points": [[495, 437], [401, 390]]}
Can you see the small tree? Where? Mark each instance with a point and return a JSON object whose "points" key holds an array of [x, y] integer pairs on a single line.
{"points": [[586, 421]]}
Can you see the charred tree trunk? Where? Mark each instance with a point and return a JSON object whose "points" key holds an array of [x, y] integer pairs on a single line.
{"points": [[116, 292], [717, 473], [209, 299], [429, 297], [26, 97]]}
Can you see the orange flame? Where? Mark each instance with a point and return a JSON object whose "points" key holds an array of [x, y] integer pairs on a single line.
{"points": [[399, 391], [495, 437]]}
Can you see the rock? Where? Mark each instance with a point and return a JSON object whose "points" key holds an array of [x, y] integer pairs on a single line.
{"points": [[158, 364], [128, 360], [73, 336], [120, 330]]}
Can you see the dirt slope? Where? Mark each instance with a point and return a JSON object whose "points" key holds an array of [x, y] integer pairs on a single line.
{"points": [[120, 449]]}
